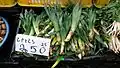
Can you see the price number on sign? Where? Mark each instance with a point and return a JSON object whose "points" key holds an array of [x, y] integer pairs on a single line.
{"points": [[22, 48], [41, 50]]}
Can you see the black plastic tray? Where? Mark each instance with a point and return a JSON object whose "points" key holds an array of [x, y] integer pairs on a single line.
{"points": [[22, 58]]}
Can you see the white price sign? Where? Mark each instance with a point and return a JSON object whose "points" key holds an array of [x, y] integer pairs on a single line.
{"points": [[32, 44]]}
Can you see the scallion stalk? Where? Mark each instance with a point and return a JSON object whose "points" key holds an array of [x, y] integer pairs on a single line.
{"points": [[76, 13]]}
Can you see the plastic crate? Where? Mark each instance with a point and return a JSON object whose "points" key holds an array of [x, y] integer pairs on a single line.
{"points": [[7, 3], [20, 57], [40, 3]]}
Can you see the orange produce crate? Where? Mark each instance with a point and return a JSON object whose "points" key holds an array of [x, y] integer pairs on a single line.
{"points": [[83, 3], [89, 3], [7, 3], [40, 3], [100, 3]]}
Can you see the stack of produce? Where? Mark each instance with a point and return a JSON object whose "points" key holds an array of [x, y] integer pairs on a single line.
{"points": [[75, 31], [2, 29]]}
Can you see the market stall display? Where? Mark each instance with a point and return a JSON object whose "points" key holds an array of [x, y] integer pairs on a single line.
{"points": [[61, 30], [75, 32]]}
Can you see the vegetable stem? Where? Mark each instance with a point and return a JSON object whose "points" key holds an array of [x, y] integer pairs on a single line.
{"points": [[76, 13]]}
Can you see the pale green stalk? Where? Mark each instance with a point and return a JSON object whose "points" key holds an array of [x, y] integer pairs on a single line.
{"points": [[45, 29], [75, 21], [35, 23], [32, 31], [51, 12]]}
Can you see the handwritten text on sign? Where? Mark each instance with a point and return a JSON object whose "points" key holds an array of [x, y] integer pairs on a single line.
{"points": [[32, 44]]}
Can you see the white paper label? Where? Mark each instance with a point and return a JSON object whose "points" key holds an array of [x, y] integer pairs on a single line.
{"points": [[32, 44]]}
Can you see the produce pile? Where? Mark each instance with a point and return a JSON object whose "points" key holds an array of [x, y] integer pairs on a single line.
{"points": [[2, 29], [75, 31]]}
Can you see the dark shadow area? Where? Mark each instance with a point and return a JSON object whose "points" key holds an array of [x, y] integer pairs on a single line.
{"points": [[10, 14]]}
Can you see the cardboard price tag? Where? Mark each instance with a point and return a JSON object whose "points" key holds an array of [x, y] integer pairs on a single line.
{"points": [[32, 44]]}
